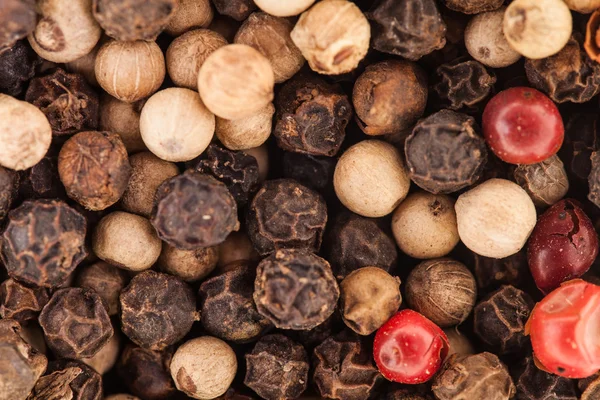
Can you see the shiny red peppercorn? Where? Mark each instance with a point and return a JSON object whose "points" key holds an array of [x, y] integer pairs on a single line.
{"points": [[409, 348], [522, 126], [563, 245], [565, 330]]}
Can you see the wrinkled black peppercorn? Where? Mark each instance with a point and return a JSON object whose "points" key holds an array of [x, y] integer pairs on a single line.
{"points": [[311, 171], [473, 6], [236, 9], [17, 67], [545, 182], [535, 384], [68, 379], [20, 302], [42, 180]]}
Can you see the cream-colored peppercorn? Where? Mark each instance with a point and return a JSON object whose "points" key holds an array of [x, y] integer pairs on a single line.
{"points": [[485, 40], [107, 357], [66, 30], [333, 36], [190, 14], [287, 8], [25, 134], [537, 28], [147, 173], [271, 36], [369, 296], [127, 241], [122, 118], [175, 125], [189, 265], [370, 178], [261, 153], [236, 81], [188, 52], [236, 247], [583, 6], [424, 225], [495, 218], [130, 71], [203, 368], [246, 133]]}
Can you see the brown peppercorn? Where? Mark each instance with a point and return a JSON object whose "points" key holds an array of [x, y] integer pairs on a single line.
{"points": [[42, 180], [131, 20], [285, 214], [594, 179], [343, 368], [194, 210], [106, 280], [86, 66], [20, 302], [9, 183], [226, 305], [21, 364], [17, 67], [236, 9], [444, 153], [312, 116], [146, 373], [107, 357], [277, 368], [43, 242], [459, 343], [592, 42], [407, 28], [122, 118], [478, 376], [545, 182], [582, 130], [190, 14], [407, 394], [68, 379], [94, 168], [76, 323], [188, 265], [389, 96], [315, 172], [157, 310], [295, 289], [473, 6], [17, 20], [534, 384], [237, 247], [443, 290], [246, 133], [491, 273]]}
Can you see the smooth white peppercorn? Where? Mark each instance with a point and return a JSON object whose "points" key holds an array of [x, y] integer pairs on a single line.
{"points": [[287, 8]]}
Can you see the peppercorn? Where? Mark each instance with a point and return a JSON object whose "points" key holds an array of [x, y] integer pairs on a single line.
{"points": [[237, 247], [42, 180], [68, 379], [9, 184], [287, 9], [17, 20], [122, 118], [314, 172], [343, 368], [594, 179], [246, 133], [106, 280], [188, 15], [406, 394], [107, 357], [458, 342], [312, 116], [295, 289], [485, 41], [43, 242], [17, 67], [590, 387], [583, 6], [157, 310], [545, 182], [535, 384], [277, 368], [592, 42], [407, 28], [188, 265], [491, 273], [261, 153], [581, 140], [19, 302], [473, 7], [33, 334], [85, 66], [236, 9], [478, 376]]}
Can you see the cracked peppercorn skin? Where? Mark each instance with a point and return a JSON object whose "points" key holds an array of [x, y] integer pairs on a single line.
{"points": [[534, 384], [20, 302], [69, 378]]}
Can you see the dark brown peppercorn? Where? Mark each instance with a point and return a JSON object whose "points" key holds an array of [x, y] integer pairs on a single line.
{"points": [[20, 302], [17, 67], [194, 210], [473, 6], [17, 20], [295, 289], [236, 9], [67, 100], [146, 373], [355, 242], [94, 167], [389, 96], [68, 379], [312, 116], [582, 131], [407, 28], [227, 309], [491, 273], [8, 190], [407, 394], [343, 368], [545, 182], [157, 310], [277, 368], [106, 280], [285, 214], [499, 319], [42, 180], [43, 242], [444, 153], [594, 179], [75, 323], [130, 20], [312, 171], [535, 384]]}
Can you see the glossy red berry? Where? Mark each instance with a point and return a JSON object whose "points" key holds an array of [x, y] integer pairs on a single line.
{"points": [[565, 330], [409, 348], [522, 126], [563, 245]]}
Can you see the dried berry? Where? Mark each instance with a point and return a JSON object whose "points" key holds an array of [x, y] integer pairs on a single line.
{"points": [[226, 305], [295, 289], [285, 214], [157, 310], [581, 140], [355, 242], [343, 368], [312, 171], [491, 273], [311, 116], [43, 242], [194, 210], [473, 6], [594, 179], [236, 9], [408, 28], [17, 20], [42, 180], [277, 368], [8, 190], [146, 373], [534, 384], [76, 323], [444, 153], [590, 387], [20, 302], [67, 100], [545, 182], [106, 280], [17, 67], [68, 379]]}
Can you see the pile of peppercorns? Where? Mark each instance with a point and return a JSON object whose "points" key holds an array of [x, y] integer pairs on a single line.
{"points": [[299, 199]]}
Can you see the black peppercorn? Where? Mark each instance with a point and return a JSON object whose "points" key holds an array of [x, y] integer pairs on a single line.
{"points": [[68, 379], [491, 273], [194, 210], [19, 302], [42, 180], [312, 171], [545, 182], [8, 190], [407, 394], [17, 67], [106, 280], [277, 368], [295, 289], [236, 9], [581, 140], [43, 242], [17, 20], [444, 153], [534, 384], [473, 6]]}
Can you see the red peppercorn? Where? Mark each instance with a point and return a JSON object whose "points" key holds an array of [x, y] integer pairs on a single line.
{"points": [[409, 348], [564, 330], [522, 126], [563, 245]]}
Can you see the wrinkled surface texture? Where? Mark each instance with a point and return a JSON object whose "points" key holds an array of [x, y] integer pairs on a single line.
{"points": [[593, 179], [146, 373], [535, 384], [463, 84], [68, 379], [473, 6], [491, 273], [20, 302], [545, 182], [17, 67], [8, 190]]}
